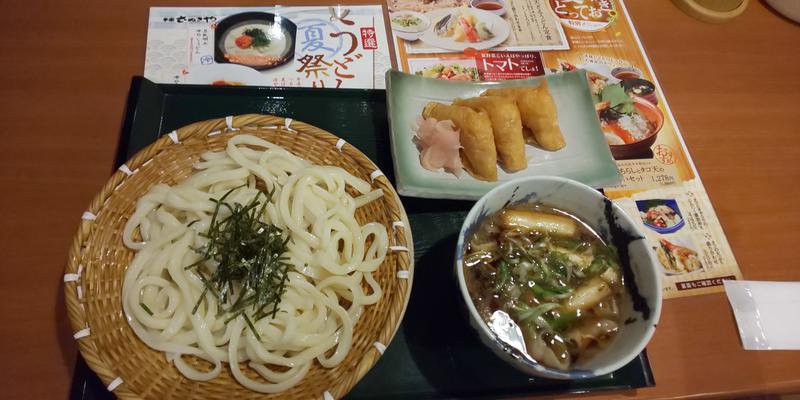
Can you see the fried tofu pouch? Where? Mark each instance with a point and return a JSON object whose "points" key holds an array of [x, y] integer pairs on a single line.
{"points": [[478, 152], [538, 112], [507, 127]]}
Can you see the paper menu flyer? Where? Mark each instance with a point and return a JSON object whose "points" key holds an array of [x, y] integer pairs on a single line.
{"points": [[332, 47], [686, 235], [660, 186]]}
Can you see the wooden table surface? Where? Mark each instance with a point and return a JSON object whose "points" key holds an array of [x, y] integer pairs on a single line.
{"points": [[733, 88]]}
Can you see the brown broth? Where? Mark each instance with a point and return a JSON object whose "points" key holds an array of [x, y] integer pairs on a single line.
{"points": [[588, 329]]}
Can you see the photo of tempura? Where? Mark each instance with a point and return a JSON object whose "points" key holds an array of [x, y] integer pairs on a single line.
{"points": [[677, 259]]}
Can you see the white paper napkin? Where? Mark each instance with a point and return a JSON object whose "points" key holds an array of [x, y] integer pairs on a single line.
{"points": [[767, 313]]}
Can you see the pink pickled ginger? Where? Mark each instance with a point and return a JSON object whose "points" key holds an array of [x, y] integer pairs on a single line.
{"points": [[438, 143]]}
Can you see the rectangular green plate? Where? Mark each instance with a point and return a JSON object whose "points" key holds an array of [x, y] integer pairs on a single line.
{"points": [[585, 158], [435, 353]]}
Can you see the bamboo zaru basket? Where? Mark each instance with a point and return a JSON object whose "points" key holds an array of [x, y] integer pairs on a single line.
{"points": [[98, 260]]}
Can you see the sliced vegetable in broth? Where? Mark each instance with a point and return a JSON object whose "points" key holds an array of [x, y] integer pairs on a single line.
{"points": [[556, 278]]}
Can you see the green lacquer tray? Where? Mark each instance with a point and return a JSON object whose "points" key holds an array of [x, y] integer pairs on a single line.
{"points": [[435, 353]]}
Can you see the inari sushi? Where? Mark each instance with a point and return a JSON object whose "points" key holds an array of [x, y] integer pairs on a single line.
{"points": [[478, 152], [538, 112], [507, 127]]}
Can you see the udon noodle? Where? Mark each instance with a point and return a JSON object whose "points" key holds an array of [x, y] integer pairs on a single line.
{"points": [[332, 256]]}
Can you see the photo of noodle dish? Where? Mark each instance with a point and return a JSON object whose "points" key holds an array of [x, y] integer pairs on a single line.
{"points": [[409, 25], [255, 39], [408, 21], [258, 264]]}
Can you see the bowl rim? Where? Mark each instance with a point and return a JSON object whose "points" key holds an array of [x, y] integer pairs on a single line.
{"points": [[473, 217]]}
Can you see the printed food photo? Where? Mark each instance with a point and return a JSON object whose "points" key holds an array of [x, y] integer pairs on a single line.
{"points": [[630, 122], [457, 29], [660, 215], [627, 107], [677, 257], [409, 25], [257, 40], [450, 72]]}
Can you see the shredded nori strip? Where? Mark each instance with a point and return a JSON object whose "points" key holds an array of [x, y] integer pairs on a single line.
{"points": [[146, 308], [249, 254]]}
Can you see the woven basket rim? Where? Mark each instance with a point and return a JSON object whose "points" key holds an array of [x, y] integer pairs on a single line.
{"points": [[77, 313]]}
